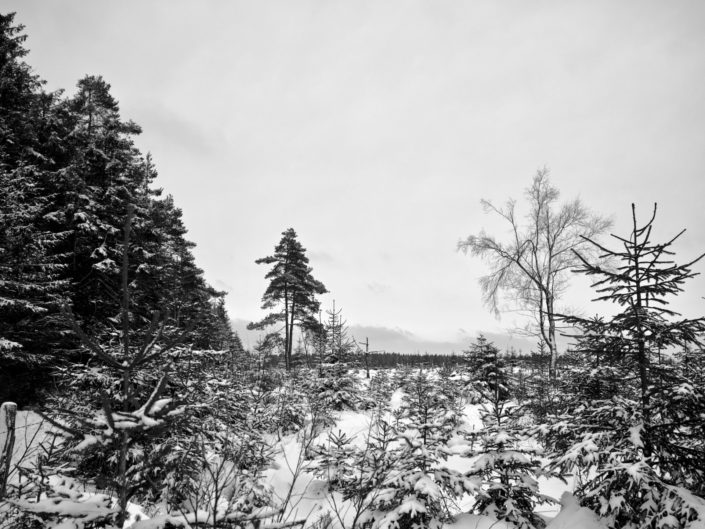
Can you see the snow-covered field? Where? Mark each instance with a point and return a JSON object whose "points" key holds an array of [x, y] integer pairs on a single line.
{"points": [[311, 500], [307, 498]]}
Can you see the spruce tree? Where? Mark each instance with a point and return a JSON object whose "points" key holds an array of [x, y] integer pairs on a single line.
{"points": [[31, 286], [360, 472], [335, 387], [31, 290], [505, 466], [111, 416], [418, 492], [486, 369], [636, 427]]}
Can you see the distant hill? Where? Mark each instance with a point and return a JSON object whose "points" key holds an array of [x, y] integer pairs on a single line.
{"points": [[402, 341]]}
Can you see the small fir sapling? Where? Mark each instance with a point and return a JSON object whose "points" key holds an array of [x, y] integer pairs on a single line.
{"points": [[357, 472], [380, 389], [451, 386], [395, 477], [336, 384], [506, 466], [421, 489]]}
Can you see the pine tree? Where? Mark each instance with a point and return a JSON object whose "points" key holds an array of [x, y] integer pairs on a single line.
{"points": [[292, 289], [103, 174], [100, 171]]}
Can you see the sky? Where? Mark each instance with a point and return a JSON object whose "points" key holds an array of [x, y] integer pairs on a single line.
{"points": [[375, 128]]}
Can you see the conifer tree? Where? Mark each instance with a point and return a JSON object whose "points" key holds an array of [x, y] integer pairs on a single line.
{"points": [[505, 468], [636, 426], [338, 344], [292, 290], [380, 388], [417, 493], [31, 286], [18, 95], [359, 472], [487, 369], [335, 386], [115, 436], [31, 290]]}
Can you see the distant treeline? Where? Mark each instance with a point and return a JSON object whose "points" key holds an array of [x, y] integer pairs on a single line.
{"points": [[385, 360], [389, 360]]}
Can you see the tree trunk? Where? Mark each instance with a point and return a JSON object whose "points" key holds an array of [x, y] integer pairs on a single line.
{"points": [[8, 411], [551, 342], [127, 371], [642, 357], [290, 344], [287, 337]]}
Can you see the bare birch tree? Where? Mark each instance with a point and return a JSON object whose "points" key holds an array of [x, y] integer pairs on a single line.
{"points": [[532, 265]]}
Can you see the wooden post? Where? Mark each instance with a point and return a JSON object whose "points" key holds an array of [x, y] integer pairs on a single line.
{"points": [[8, 412]]}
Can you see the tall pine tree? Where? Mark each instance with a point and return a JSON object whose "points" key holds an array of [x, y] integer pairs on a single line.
{"points": [[291, 292]]}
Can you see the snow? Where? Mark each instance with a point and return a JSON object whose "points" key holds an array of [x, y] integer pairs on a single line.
{"points": [[573, 516], [554, 487], [635, 435], [88, 440], [30, 430], [72, 503], [476, 521], [311, 499], [428, 487], [287, 473], [5, 344], [472, 418], [396, 400], [697, 503], [308, 498]]}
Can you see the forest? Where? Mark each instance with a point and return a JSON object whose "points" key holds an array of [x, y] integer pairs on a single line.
{"points": [[129, 402]]}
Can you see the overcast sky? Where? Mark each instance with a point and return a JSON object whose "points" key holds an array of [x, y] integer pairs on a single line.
{"points": [[375, 128]]}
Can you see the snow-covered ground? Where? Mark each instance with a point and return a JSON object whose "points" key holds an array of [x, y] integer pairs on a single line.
{"points": [[30, 430], [307, 497], [310, 500]]}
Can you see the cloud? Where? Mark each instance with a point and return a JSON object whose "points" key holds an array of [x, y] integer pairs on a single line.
{"points": [[176, 133], [401, 340], [377, 127], [398, 340], [320, 257], [377, 288], [222, 285], [249, 338]]}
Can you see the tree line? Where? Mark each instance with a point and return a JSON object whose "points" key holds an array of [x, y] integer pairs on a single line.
{"points": [[69, 169]]}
